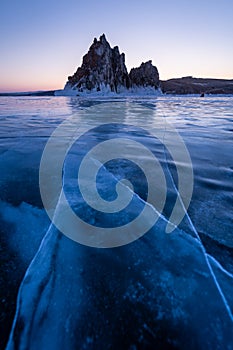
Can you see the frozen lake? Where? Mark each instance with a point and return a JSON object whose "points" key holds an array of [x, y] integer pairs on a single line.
{"points": [[172, 290]]}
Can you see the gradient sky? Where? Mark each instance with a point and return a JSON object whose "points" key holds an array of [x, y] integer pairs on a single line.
{"points": [[42, 42]]}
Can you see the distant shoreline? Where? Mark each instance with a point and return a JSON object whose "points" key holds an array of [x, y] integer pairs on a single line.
{"points": [[31, 93], [176, 86]]}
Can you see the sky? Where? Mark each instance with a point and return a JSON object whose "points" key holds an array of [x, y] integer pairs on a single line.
{"points": [[42, 42]]}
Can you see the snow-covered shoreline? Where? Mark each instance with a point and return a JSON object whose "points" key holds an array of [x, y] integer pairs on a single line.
{"points": [[106, 92]]}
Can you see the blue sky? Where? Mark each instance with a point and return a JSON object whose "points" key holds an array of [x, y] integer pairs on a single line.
{"points": [[42, 42]]}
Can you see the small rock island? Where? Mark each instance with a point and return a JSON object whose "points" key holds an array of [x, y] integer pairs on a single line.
{"points": [[103, 70]]}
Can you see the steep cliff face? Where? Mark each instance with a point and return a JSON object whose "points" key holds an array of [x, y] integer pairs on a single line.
{"points": [[103, 68], [145, 76]]}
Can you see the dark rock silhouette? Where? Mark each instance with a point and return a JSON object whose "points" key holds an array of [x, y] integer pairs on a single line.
{"points": [[190, 85], [103, 69], [145, 75]]}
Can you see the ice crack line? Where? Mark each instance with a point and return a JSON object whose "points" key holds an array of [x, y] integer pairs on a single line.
{"points": [[206, 256], [135, 194]]}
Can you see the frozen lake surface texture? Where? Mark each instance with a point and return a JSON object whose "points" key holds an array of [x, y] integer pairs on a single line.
{"points": [[162, 290]]}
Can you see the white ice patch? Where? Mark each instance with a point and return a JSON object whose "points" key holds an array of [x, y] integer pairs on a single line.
{"points": [[28, 225]]}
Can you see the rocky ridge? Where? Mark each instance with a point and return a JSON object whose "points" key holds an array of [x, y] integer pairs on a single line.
{"points": [[103, 69], [190, 85]]}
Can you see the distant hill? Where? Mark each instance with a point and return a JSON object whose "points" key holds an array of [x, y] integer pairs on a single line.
{"points": [[190, 85], [31, 93]]}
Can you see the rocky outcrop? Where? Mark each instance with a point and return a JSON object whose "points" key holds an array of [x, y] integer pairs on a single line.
{"points": [[146, 75], [190, 85], [103, 69]]}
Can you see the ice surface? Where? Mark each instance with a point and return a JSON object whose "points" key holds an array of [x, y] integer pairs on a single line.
{"points": [[163, 289], [105, 91], [24, 221], [161, 284]]}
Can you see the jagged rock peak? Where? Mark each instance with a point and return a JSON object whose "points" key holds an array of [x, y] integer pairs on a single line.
{"points": [[103, 68], [145, 75], [103, 39]]}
